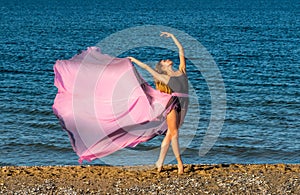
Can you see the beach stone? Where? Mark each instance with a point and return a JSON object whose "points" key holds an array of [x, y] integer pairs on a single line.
{"points": [[235, 179]]}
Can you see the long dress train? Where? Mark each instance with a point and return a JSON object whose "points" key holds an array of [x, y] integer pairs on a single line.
{"points": [[105, 105]]}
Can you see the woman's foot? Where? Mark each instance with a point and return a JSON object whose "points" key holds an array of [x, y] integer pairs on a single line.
{"points": [[158, 166], [180, 166]]}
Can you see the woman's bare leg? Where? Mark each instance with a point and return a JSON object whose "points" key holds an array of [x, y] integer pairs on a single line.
{"points": [[176, 151], [172, 121], [171, 136], [163, 151]]}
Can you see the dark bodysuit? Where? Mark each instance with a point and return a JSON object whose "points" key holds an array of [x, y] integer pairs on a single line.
{"points": [[179, 84]]}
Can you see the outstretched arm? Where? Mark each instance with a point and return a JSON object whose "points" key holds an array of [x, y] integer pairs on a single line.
{"points": [[161, 77], [182, 65]]}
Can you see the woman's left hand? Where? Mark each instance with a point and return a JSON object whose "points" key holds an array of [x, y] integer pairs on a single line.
{"points": [[166, 34]]}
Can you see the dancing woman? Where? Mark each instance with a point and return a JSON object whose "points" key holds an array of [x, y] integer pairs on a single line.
{"points": [[174, 82], [104, 105]]}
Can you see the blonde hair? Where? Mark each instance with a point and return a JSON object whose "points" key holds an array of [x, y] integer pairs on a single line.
{"points": [[163, 87], [158, 84]]}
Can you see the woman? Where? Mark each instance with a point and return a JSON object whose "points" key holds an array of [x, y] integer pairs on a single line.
{"points": [[173, 82], [105, 105]]}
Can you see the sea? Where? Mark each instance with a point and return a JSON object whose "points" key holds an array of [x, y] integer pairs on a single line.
{"points": [[253, 47]]}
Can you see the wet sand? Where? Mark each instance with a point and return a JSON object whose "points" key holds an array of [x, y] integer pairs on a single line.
{"points": [[197, 179]]}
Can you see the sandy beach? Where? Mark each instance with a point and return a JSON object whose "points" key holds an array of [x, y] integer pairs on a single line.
{"points": [[197, 179]]}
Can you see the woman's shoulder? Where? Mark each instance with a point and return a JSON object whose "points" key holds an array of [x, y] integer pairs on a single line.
{"points": [[176, 77], [179, 74]]}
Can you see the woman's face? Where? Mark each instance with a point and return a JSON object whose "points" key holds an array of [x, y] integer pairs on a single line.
{"points": [[166, 63]]}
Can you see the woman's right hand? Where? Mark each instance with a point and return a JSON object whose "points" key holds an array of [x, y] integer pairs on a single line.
{"points": [[130, 58]]}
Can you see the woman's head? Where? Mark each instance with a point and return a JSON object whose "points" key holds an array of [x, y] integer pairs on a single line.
{"points": [[163, 65]]}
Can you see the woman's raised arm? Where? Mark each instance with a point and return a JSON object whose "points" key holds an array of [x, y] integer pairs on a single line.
{"points": [[161, 77], [182, 65]]}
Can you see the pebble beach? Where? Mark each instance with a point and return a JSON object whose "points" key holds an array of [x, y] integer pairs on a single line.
{"points": [[255, 45], [197, 179]]}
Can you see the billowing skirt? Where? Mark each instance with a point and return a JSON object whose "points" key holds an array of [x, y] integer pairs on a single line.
{"points": [[105, 105]]}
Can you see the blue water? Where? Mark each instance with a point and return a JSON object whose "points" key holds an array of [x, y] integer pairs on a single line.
{"points": [[255, 45]]}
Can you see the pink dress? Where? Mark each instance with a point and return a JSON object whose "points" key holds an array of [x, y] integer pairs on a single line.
{"points": [[104, 105]]}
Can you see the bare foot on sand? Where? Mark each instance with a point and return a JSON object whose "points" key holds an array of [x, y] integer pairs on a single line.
{"points": [[180, 167], [158, 166]]}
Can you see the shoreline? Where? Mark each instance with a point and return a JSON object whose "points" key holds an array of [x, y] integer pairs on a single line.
{"points": [[144, 179]]}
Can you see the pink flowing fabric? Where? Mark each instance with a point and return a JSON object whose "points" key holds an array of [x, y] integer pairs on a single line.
{"points": [[105, 105]]}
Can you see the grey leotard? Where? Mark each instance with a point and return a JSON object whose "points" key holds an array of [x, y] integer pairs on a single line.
{"points": [[179, 84]]}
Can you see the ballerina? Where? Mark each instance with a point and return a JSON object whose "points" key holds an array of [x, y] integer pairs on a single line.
{"points": [[172, 82], [105, 105]]}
